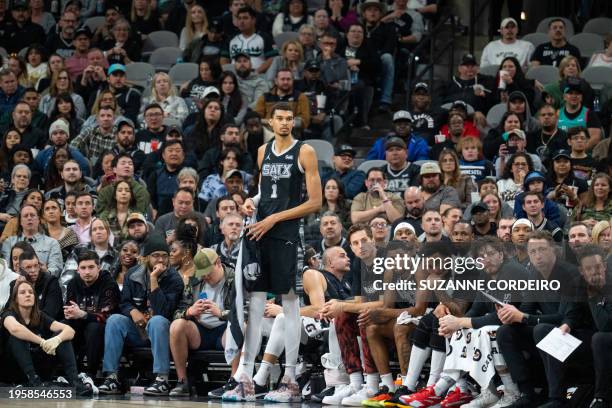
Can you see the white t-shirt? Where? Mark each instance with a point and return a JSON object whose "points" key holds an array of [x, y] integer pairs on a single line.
{"points": [[495, 52], [214, 293]]}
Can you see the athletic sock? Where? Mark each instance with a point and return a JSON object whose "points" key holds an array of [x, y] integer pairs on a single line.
{"points": [[261, 378], [437, 365], [387, 379], [372, 381], [418, 357], [356, 380]]}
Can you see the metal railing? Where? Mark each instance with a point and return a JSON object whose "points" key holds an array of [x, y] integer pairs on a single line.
{"points": [[446, 26]]}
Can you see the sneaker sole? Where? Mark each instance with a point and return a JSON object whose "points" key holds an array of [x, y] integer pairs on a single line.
{"points": [[246, 399], [290, 400], [373, 404], [156, 394]]}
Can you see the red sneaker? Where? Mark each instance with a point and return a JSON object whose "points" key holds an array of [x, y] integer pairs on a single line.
{"points": [[425, 398], [456, 398]]}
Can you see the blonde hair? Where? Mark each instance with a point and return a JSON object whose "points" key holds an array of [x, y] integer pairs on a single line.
{"points": [[147, 12], [189, 25], [154, 93], [98, 102], [469, 141], [284, 50], [600, 227], [565, 62]]}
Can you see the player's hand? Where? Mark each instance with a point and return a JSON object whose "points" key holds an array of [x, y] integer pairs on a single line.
{"points": [[449, 324], [441, 310], [257, 231], [248, 207], [565, 329], [509, 314], [364, 319], [272, 310]]}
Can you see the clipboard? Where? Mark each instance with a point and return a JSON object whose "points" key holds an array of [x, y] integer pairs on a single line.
{"points": [[492, 298]]}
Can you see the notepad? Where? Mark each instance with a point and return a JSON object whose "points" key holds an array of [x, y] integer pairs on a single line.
{"points": [[558, 344]]}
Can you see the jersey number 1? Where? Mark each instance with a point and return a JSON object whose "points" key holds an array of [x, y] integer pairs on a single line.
{"points": [[274, 188]]}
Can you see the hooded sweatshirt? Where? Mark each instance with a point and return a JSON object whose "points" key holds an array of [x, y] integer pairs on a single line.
{"points": [[551, 211]]}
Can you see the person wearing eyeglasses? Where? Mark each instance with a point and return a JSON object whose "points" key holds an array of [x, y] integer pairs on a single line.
{"points": [[61, 39], [150, 296], [380, 231]]}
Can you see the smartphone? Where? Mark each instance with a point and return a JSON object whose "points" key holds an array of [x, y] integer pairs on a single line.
{"points": [[202, 296], [511, 150]]}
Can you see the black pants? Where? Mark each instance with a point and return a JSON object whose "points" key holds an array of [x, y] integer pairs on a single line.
{"points": [[556, 370], [89, 341], [514, 8], [513, 341], [361, 99], [426, 334], [32, 360], [601, 343]]}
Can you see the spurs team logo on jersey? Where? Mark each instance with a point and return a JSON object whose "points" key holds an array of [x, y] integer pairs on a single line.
{"points": [[276, 171]]}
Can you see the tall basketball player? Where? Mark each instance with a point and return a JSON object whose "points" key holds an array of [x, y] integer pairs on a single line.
{"points": [[284, 164]]}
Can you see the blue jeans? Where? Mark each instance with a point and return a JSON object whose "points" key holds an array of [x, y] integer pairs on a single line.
{"points": [[121, 329], [387, 78]]}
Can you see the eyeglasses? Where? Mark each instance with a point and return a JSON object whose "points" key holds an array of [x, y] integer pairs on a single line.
{"points": [[153, 115], [379, 225]]}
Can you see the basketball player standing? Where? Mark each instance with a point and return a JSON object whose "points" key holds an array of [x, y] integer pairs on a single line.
{"points": [[284, 164]]}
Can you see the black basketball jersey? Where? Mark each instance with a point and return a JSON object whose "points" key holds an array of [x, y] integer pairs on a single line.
{"points": [[281, 189], [336, 289]]}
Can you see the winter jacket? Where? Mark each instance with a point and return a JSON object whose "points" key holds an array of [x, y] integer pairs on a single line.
{"points": [[162, 301], [418, 149]]}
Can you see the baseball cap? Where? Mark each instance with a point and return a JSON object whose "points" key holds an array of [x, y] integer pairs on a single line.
{"points": [[215, 25], [572, 84], [421, 86], [430, 168], [507, 21], [562, 153], [516, 95], [345, 148], [116, 68], [468, 59], [517, 132], [209, 91], [124, 121], [395, 142], [83, 30], [59, 125], [402, 115], [479, 207], [241, 53], [204, 262], [135, 217], [533, 176], [232, 173], [20, 4], [312, 65]]}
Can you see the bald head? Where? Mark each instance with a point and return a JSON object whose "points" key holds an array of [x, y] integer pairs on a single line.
{"points": [[414, 202], [335, 260]]}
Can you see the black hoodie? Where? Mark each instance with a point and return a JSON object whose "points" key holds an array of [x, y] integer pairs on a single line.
{"points": [[99, 300]]}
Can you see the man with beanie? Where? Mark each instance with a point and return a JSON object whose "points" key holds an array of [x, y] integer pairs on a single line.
{"points": [[59, 134], [151, 292], [200, 321]]}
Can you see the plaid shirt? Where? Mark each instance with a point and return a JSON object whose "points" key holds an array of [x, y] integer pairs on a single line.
{"points": [[92, 142]]}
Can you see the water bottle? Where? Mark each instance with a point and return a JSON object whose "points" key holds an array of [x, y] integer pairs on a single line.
{"points": [[100, 7], [596, 103], [354, 77]]}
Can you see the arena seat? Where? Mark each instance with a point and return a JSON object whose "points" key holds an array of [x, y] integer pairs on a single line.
{"points": [[183, 72], [544, 74], [368, 164], [164, 58], [139, 73], [536, 38], [324, 150], [587, 43], [598, 25], [597, 77]]}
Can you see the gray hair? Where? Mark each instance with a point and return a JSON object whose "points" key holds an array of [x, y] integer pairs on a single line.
{"points": [[305, 27], [234, 214], [189, 172], [21, 167], [330, 213]]}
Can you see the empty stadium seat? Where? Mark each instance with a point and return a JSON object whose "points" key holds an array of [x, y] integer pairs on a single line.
{"points": [[139, 73], [183, 72], [490, 70], [599, 25], [597, 76], [587, 43], [536, 38], [93, 23], [324, 150], [545, 74], [159, 39], [281, 38], [368, 164], [164, 58]]}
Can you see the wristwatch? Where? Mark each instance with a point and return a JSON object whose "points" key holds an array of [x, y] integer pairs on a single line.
{"points": [[525, 318]]}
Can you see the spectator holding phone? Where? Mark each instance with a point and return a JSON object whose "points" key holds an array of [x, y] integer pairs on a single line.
{"points": [[201, 317], [515, 142]]}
